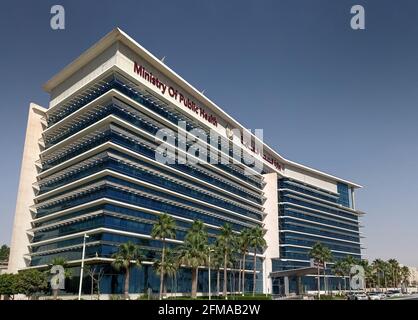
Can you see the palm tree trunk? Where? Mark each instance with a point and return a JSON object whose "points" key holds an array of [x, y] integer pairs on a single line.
{"points": [[225, 276], [243, 274], [162, 271], [127, 276], [254, 271], [232, 282], [92, 288], [239, 276], [349, 282], [319, 284], [194, 282], [325, 281], [218, 280], [175, 280], [55, 293]]}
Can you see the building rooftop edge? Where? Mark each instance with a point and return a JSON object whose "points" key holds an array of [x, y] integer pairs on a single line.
{"points": [[118, 35]]}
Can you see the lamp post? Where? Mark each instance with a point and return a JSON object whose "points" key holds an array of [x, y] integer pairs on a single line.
{"points": [[210, 295], [82, 265]]}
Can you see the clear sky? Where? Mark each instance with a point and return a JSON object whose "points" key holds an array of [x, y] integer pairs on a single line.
{"points": [[329, 97]]}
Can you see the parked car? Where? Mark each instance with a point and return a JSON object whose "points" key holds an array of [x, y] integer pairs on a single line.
{"points": [[393, 293], [374, 296], [361, 296], [357, 296]]}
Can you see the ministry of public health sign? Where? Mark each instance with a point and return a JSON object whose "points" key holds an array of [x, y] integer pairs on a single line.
{"points": [[174, 93]]}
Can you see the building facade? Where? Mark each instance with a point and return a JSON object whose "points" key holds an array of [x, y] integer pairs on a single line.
{"points": [[413, 277], [92, 164]]}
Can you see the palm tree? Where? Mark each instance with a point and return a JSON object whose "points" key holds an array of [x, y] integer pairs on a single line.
{"points": [[349, 261], [128, 255], [243, 243], [326, 257], [232, 263], [394, 271], [381, 268], [386, 273], [256, 241], [321, 254], [164, 228], [368, 275], [316, 254], [170, 267], [376, 266], [339, 270], [193, 252], [226, 242], [217, 262], [405, 274]]}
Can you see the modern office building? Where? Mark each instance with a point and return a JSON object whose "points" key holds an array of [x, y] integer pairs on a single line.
{"points": [[92, 165]]}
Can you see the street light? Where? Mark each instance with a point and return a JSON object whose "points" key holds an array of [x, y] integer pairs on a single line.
{"points": [[210, 250], [82, 265]]}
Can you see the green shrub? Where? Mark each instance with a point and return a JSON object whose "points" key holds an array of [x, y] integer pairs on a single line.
{"points": [[31, 282], [8, 284]]}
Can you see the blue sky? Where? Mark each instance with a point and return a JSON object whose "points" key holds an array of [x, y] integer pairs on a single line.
{"points": [[329, 97]]}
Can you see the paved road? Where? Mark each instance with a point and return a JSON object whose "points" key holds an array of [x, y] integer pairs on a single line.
{"points": [[409, 297]]}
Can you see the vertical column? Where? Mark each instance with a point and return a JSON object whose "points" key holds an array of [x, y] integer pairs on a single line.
{"points": [[19, 246], [300, 287], [353, 202], [286, 286], [271, 224]]}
